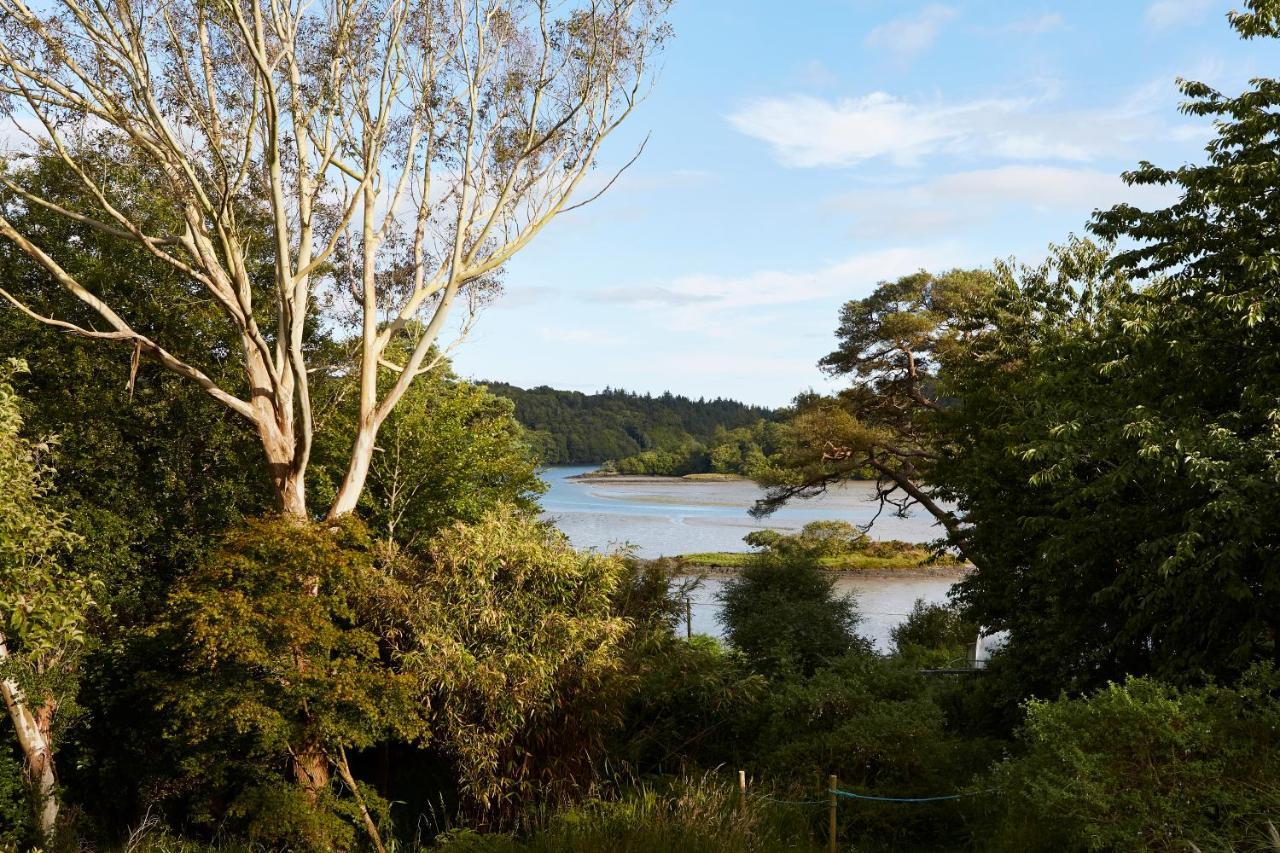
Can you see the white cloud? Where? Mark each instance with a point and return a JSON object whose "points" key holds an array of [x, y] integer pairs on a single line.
{"points": [[1163, 14], [651, 295], [966, 200], [1037, 25], [1038, 186], [908, 36], [593, 337], [726, 305], [808, 131], [805, 131]]}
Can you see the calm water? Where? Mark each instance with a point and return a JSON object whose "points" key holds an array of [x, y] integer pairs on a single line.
{"points": [[666, 518]]}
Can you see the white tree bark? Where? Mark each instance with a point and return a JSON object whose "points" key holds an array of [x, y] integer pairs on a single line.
{"points": [[33, 738], [394, 153]]}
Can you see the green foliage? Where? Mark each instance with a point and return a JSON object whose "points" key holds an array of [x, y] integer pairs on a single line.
{"points": [[833, 545], [686, 707], [815, 539], [16, 829], [683, 697], [934, 635], [1117, 450], [450, 451], [783, 615], [512, 634], [878, 726], [891, 347], [281, 658], [741, 452], [1145, 765], [1116, 528], [890, 341], [43, 605]]}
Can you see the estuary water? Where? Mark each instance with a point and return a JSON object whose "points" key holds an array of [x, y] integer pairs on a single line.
{"points": [[660, 516]]}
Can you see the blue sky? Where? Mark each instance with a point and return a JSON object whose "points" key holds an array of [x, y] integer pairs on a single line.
{"points": [[800, 152]]}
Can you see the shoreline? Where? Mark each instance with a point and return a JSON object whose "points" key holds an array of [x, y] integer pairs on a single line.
{"points": [[686, 479], [934, 572], [677, 567]]}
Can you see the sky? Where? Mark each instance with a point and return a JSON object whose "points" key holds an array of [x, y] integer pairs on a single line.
{"points": [[798, 153]]}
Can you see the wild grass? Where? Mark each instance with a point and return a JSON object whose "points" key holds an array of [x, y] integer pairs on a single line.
{"points": [[700, 815]]}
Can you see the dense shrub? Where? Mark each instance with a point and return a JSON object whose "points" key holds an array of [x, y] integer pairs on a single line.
{"points": [[876, 724], [783, 615], [16, 831], [514, 637], [933, 635], [1145, 765], [815, 539], [282, 667], [687, 708]]}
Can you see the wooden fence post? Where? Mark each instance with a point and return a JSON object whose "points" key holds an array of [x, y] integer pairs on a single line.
{"points": [[832, 784], [688, 619], [742, 792]]}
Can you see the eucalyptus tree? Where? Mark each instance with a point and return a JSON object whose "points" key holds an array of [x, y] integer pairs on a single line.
{"points": [[390, 156]]}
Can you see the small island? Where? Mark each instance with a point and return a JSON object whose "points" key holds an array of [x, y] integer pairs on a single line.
{"points": [[835, 546]]}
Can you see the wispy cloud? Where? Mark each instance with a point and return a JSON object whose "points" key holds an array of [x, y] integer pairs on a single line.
{"points": [[1036, 25], [910, 35], [805, 131], [970, 199], [725, 305], [1164, 14], [644, 296], [594, 337]]}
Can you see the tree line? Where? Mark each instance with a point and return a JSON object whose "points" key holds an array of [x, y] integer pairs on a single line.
{"points": [[573, 428]]}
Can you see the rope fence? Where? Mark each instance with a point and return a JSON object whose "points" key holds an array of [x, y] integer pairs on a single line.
{"points": [[835, 794], [851, 795]]}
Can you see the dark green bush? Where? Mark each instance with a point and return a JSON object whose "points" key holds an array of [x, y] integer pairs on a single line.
{"points": [[783, 615], [876, 724], [687, 708], [933, 635], [1144, 765], [15, 808], [282, 672]]}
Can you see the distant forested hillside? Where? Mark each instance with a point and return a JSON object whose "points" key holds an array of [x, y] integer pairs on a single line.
{"points": [[572, 428]]}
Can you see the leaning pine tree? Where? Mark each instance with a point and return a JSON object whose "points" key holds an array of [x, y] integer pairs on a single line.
{"points": [[392, 154]]}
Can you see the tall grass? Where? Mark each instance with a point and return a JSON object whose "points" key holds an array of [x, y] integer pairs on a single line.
{"points": [[690, 815]]}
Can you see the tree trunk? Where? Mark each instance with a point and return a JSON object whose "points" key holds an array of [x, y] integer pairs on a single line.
{"points": [[955, 534], [357, 471], [286, 474], [311, 770], [33, 738]]}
